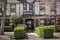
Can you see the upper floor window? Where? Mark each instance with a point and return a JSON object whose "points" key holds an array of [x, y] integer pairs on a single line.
{"points": [[43, 22], [22, 1], [42, 10], [7, 21], [25, 6], [1, 10], [13, 8], [8, 10], [30, 6]]}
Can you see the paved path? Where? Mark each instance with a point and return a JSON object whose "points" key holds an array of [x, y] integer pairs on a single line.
{"points": [[4, 37], [34, 36], [30, 36]]}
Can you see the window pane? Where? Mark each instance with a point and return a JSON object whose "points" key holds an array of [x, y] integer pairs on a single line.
{"points": [[30, 6], [42, 10], [0, 13], [52, 22], [25, 6], [42, 22], [21, 9], [8, 9], [17, 8], [7, 21], [13, 8], [0, 22]]}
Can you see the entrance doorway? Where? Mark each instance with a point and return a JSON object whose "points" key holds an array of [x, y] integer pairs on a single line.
{"points": [[30, 24]]}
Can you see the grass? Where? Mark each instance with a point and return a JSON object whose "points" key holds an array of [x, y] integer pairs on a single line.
{"points": [[9, 33], [57, 34]]}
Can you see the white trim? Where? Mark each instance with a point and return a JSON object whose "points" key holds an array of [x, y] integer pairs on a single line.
{"points": [[37, 8], [21, 9], [8, 9], [17, 8]]}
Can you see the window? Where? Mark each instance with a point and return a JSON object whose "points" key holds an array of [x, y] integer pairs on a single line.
{"points": [[17, 9], [51, 22], [42, 10], [7, 21], [43, 22], [0, 11], [0, 22], [22, 1], [13, 9], [30, 6], [8, 10], [25, 6]]}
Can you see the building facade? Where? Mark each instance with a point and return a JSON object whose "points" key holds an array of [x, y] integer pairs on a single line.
{"points": [[34, 12]]}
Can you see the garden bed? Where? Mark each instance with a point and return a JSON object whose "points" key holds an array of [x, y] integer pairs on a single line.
{"points": [[19, 31], [45, 31]]}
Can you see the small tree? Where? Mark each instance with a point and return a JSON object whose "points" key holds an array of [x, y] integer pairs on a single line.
{"points": [[17, 19]]}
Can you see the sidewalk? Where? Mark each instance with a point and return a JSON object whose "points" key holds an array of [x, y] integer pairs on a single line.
{"points": [[30, 36]]}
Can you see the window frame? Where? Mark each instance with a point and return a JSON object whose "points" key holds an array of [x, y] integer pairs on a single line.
{"points": [[7, 10], [25, 6], [30, 7], [13, 8], [43, 23]]}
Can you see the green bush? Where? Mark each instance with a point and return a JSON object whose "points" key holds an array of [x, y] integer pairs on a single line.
{"points": [[8, 29], [12, 25], [16, 19], [37, 30], [19, 31], [58, 28], [45, 31]]}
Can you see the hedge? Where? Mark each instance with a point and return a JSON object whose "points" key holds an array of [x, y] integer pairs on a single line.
{"points": [[45, 32], [19, 31], [8, 29], [57, 28]]}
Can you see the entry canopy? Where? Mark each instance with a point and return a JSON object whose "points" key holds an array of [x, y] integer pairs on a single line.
{"points": [[26, 1]]}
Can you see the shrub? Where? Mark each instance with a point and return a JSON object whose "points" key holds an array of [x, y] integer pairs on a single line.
{"points": [[46, 31], [58, 28], [8, 29], [37, 30], [17, 19], [12, 25], [19, 31]]}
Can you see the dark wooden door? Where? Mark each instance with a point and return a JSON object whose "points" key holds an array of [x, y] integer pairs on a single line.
{"points": [[30, 24]]}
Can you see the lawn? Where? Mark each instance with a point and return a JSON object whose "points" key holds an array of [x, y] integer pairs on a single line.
{"points": [[57, 34]]}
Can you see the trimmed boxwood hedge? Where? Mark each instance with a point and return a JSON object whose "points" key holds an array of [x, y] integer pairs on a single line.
{"points": [[19, 31], [8, 29], [57, 28], [45, 32]]}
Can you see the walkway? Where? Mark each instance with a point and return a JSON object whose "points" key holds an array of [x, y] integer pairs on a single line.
{"points": [[30, 36]]}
